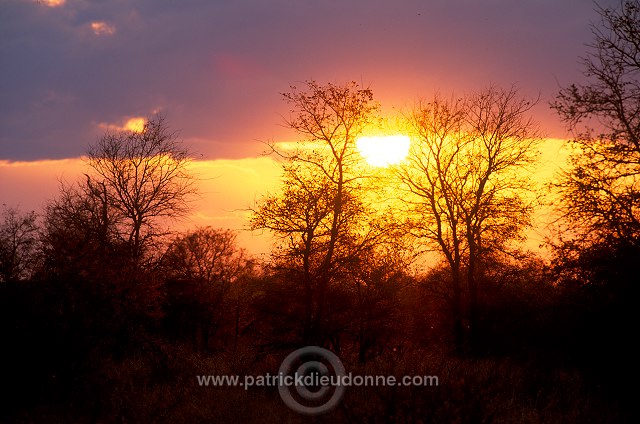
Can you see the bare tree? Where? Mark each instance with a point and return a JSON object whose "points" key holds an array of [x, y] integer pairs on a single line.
{"points": [[601, 190], [464, 184], [320, 216], [144, 176], [18, 244]]}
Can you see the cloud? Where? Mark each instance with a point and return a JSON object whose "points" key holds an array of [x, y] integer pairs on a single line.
{"points": [[133, 124], [217, 67], [102, 28], [51, 3]]}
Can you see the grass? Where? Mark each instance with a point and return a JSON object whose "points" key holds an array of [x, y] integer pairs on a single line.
{"points": [[161, 386]]}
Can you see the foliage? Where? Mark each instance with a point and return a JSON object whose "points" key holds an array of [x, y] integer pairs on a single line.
{"points": [[206, 284], [601, 190], [18, 245]]}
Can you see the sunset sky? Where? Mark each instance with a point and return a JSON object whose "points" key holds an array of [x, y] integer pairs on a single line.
{"points": [[72, 69]]}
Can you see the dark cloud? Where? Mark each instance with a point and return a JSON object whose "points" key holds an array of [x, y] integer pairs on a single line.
{"points": [[215, 68]]}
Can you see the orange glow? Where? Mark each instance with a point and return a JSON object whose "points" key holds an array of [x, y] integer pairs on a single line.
{"points": [[102, 28], [384, 151], [227, 188], [52, 3]]}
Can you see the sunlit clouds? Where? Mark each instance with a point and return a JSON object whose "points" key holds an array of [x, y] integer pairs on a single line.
{"points": [[51, 3], [134, 124], [102, 28], [385, 150]]}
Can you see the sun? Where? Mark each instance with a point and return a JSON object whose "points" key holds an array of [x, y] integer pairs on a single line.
{"points": [[383, 150]]}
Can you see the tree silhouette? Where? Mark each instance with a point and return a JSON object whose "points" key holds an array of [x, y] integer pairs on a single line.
{"points": [[144, 176], [601, 190], [599, 243], [465, 186], [80, 228], [97, 233], [18, 245], [321, 216], [205, 271]]}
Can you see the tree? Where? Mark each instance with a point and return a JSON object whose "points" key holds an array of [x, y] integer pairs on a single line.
{"points": [[596, 256], [81, 229], [144, 176], [375, 317], [321, 217], [18, 244], [98, 231], [88, 263], [206, 274], [465, 185], [601, 190]]}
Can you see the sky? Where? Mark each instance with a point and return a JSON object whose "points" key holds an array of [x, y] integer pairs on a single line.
{"points": [[72, 69]]}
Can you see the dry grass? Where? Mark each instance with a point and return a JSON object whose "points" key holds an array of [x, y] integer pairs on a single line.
{"points": [[161, 386]]}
